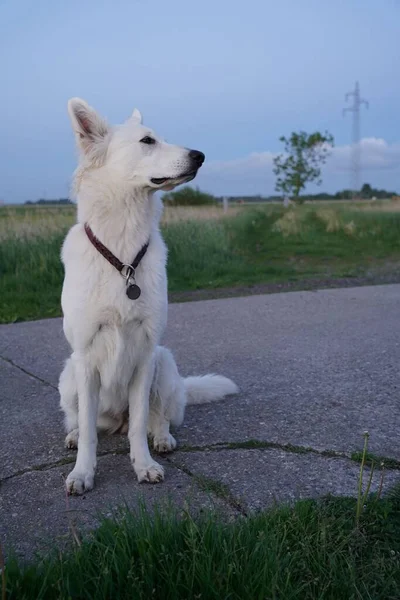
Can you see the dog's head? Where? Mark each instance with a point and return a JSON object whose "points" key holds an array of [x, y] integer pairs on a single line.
{"points": [[134, 153]]}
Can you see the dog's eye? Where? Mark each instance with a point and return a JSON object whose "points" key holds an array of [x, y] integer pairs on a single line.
{"points": [[148, 140]]}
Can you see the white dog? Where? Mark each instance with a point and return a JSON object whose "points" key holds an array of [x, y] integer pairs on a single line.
{"points": [[114, 297]]}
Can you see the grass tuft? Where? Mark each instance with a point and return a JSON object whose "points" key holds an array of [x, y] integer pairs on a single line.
{"points": [[311, 550]]}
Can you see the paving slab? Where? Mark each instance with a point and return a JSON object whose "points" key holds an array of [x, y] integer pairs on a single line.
{"points": [[38, 347], [314, 368], [30, 422], [36, 515], [258, 479]]}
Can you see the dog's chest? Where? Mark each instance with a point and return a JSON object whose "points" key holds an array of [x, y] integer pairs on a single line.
{"points": [[98, 310], [120, 349]]}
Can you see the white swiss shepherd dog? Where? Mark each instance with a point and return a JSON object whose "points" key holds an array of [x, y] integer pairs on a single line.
{"points": [[118, 377]]}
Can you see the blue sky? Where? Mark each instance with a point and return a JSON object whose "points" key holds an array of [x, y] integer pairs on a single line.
{"points": [[223, 76]]}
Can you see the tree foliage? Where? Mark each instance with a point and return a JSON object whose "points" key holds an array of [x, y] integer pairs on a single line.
{"points": [[301, 162], [187, 196], [367, 192]]}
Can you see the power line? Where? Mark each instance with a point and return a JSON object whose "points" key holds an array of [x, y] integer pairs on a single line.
{"points": [[356, 150]]}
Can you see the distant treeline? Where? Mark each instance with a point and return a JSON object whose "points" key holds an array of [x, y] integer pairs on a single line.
{"points": [[366, 193], [43, 201], [193, 196]]}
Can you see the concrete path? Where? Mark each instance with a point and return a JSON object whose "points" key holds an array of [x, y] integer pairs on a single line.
{"points": [[315, 369]]}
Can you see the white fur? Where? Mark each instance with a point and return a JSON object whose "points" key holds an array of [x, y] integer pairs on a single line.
{"points": [[116, 364]]}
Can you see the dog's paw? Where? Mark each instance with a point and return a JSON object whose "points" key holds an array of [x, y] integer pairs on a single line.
{"points": [[71, 441], [77, 482], [152, 473], [164, 444]]}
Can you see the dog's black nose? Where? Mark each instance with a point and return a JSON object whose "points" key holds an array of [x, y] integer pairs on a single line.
{"points": [[197, 156]]}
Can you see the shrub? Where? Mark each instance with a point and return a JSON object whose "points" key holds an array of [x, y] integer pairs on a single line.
{"points": [[188, 196]]}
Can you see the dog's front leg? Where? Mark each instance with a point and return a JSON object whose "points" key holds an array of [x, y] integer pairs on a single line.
{"points": [[81, 478], [145, 467]]}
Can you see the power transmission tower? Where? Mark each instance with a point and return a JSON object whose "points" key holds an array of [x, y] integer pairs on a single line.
{"points": [[356, 150]]}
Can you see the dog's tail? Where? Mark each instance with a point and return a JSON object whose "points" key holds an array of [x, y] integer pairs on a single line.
{"points": [[208, 388]]}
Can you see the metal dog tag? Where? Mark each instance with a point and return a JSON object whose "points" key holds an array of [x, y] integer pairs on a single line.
{"points": [[133, 291]]}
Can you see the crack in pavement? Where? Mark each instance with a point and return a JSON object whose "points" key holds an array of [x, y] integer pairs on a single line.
{"points": [[253, 444], [356, 457], [209, 484], [29, 373], [66, 460]]}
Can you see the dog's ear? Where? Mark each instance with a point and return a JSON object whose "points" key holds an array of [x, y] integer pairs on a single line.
{"points": [[91, 130], [137, 116]]}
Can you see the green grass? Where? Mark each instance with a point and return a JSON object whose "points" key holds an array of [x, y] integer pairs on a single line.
{"points": [[378, 461], [310, 551], [30, 278], [256, 245]]}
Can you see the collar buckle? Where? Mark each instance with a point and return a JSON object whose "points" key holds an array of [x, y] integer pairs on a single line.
{"points": [[127, 272]]}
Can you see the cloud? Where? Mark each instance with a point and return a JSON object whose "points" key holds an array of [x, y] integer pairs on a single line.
{"points": [[375, 154], [253, 174]]}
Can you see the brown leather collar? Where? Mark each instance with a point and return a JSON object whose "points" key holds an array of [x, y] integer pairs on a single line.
{"points": [[125, 270]]}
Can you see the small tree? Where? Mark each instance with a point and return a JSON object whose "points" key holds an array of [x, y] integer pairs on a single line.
{"points": [[301, 163], [366, 191], [187, 196]]}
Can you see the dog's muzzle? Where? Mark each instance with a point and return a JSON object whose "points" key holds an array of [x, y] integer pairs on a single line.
{"points": [[196, 160]]}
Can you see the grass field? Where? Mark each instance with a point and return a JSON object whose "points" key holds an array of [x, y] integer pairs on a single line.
{"points": [[314, 550], [207, 249]]}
